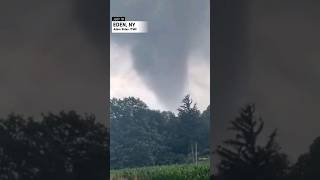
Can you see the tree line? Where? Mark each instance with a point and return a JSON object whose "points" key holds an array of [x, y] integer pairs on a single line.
{"points": [[244, 157], [64, 146], [144, 137], [69, 146]]}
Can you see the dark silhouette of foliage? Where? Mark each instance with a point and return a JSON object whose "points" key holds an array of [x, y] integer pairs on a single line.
{"points": [[62, 146], [307, 166], [243, 158]]}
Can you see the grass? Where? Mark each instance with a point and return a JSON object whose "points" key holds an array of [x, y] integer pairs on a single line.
{"points": [[169, 172]]}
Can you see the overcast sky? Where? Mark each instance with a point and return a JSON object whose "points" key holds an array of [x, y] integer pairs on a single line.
{"points": [[53, 57], [268, 54], [168, 62]]}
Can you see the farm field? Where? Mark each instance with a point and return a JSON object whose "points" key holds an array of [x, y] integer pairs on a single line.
{"points": [[169, 172]]}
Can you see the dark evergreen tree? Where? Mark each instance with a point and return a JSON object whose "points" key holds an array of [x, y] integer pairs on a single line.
{"points": [[243, 158]]}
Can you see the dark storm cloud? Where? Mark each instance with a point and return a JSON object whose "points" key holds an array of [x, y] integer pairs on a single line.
{"points": [[52, 56], [160, 56], [267, 52]]}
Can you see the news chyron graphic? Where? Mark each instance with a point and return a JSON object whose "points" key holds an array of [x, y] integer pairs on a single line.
{"points": [[120, 25], [160, 89]]}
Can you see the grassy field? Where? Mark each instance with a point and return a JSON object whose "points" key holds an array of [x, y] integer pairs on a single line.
{"points": [[170, 172]]}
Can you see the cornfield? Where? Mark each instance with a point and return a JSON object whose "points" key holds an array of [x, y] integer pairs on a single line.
{"points": [[170, 172]]}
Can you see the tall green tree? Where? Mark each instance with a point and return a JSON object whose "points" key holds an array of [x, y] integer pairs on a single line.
{"points": [[189, 126]]}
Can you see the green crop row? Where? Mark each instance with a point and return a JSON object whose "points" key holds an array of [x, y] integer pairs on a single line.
{"points": [[170, 172]]}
